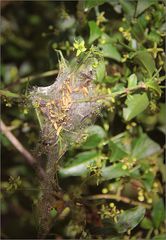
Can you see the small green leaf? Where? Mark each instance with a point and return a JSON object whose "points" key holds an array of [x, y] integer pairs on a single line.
{"points": [[132, 81], [129, 219], [154, 86], [143, 5], [100, 71], [162, 168], [93, 3], [110, 51], [4, 140], [160, 237], [138, 31], [136, 104], [95, 31], [146, 223], [146, 60], [116, 152], [53, 212], [95, 135], [148, 179], [162, 114], [114, 171], [158, 213], [128, 7]]}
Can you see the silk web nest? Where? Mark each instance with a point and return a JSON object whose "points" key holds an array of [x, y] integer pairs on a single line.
{"points": [[68, 106]]}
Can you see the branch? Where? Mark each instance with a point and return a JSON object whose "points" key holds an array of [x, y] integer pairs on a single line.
{"points": [[118, 198], [32, 77], [40, 75], [30, 159], [117, 94]]}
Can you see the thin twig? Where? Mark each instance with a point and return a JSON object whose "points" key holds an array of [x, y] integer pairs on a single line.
{"points": [[32, 77], [40, 75], [117, 198], [118, 94], [30, 159]]}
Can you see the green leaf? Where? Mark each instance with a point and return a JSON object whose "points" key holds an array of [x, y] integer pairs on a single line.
{"points": [[154, 86], [110, 51], [116, 152], [95, 31], [158, 213], [148, 179], [4, 140], [93, 3], [162, 168], [100, 71], [128, 7], [129, 219], [143, 5], [53, 212], [132, 81], [78, 165], [154, 36], [136, 104], [144, 147], [160, 237], [162, 114], [146, 60], [146, 223], [96, 135], [138, 31], [114, 171]]}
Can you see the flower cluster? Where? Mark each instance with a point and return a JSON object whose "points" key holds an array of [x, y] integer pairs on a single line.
{"points": [[126, 33], [110, 211]]}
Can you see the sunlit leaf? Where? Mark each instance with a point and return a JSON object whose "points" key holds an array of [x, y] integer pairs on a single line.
{"points": [[132, 81]]}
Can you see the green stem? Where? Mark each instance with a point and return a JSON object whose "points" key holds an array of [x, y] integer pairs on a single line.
{"points": [[149, 233], [9, 94], [113, 95], [40, 75]]}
